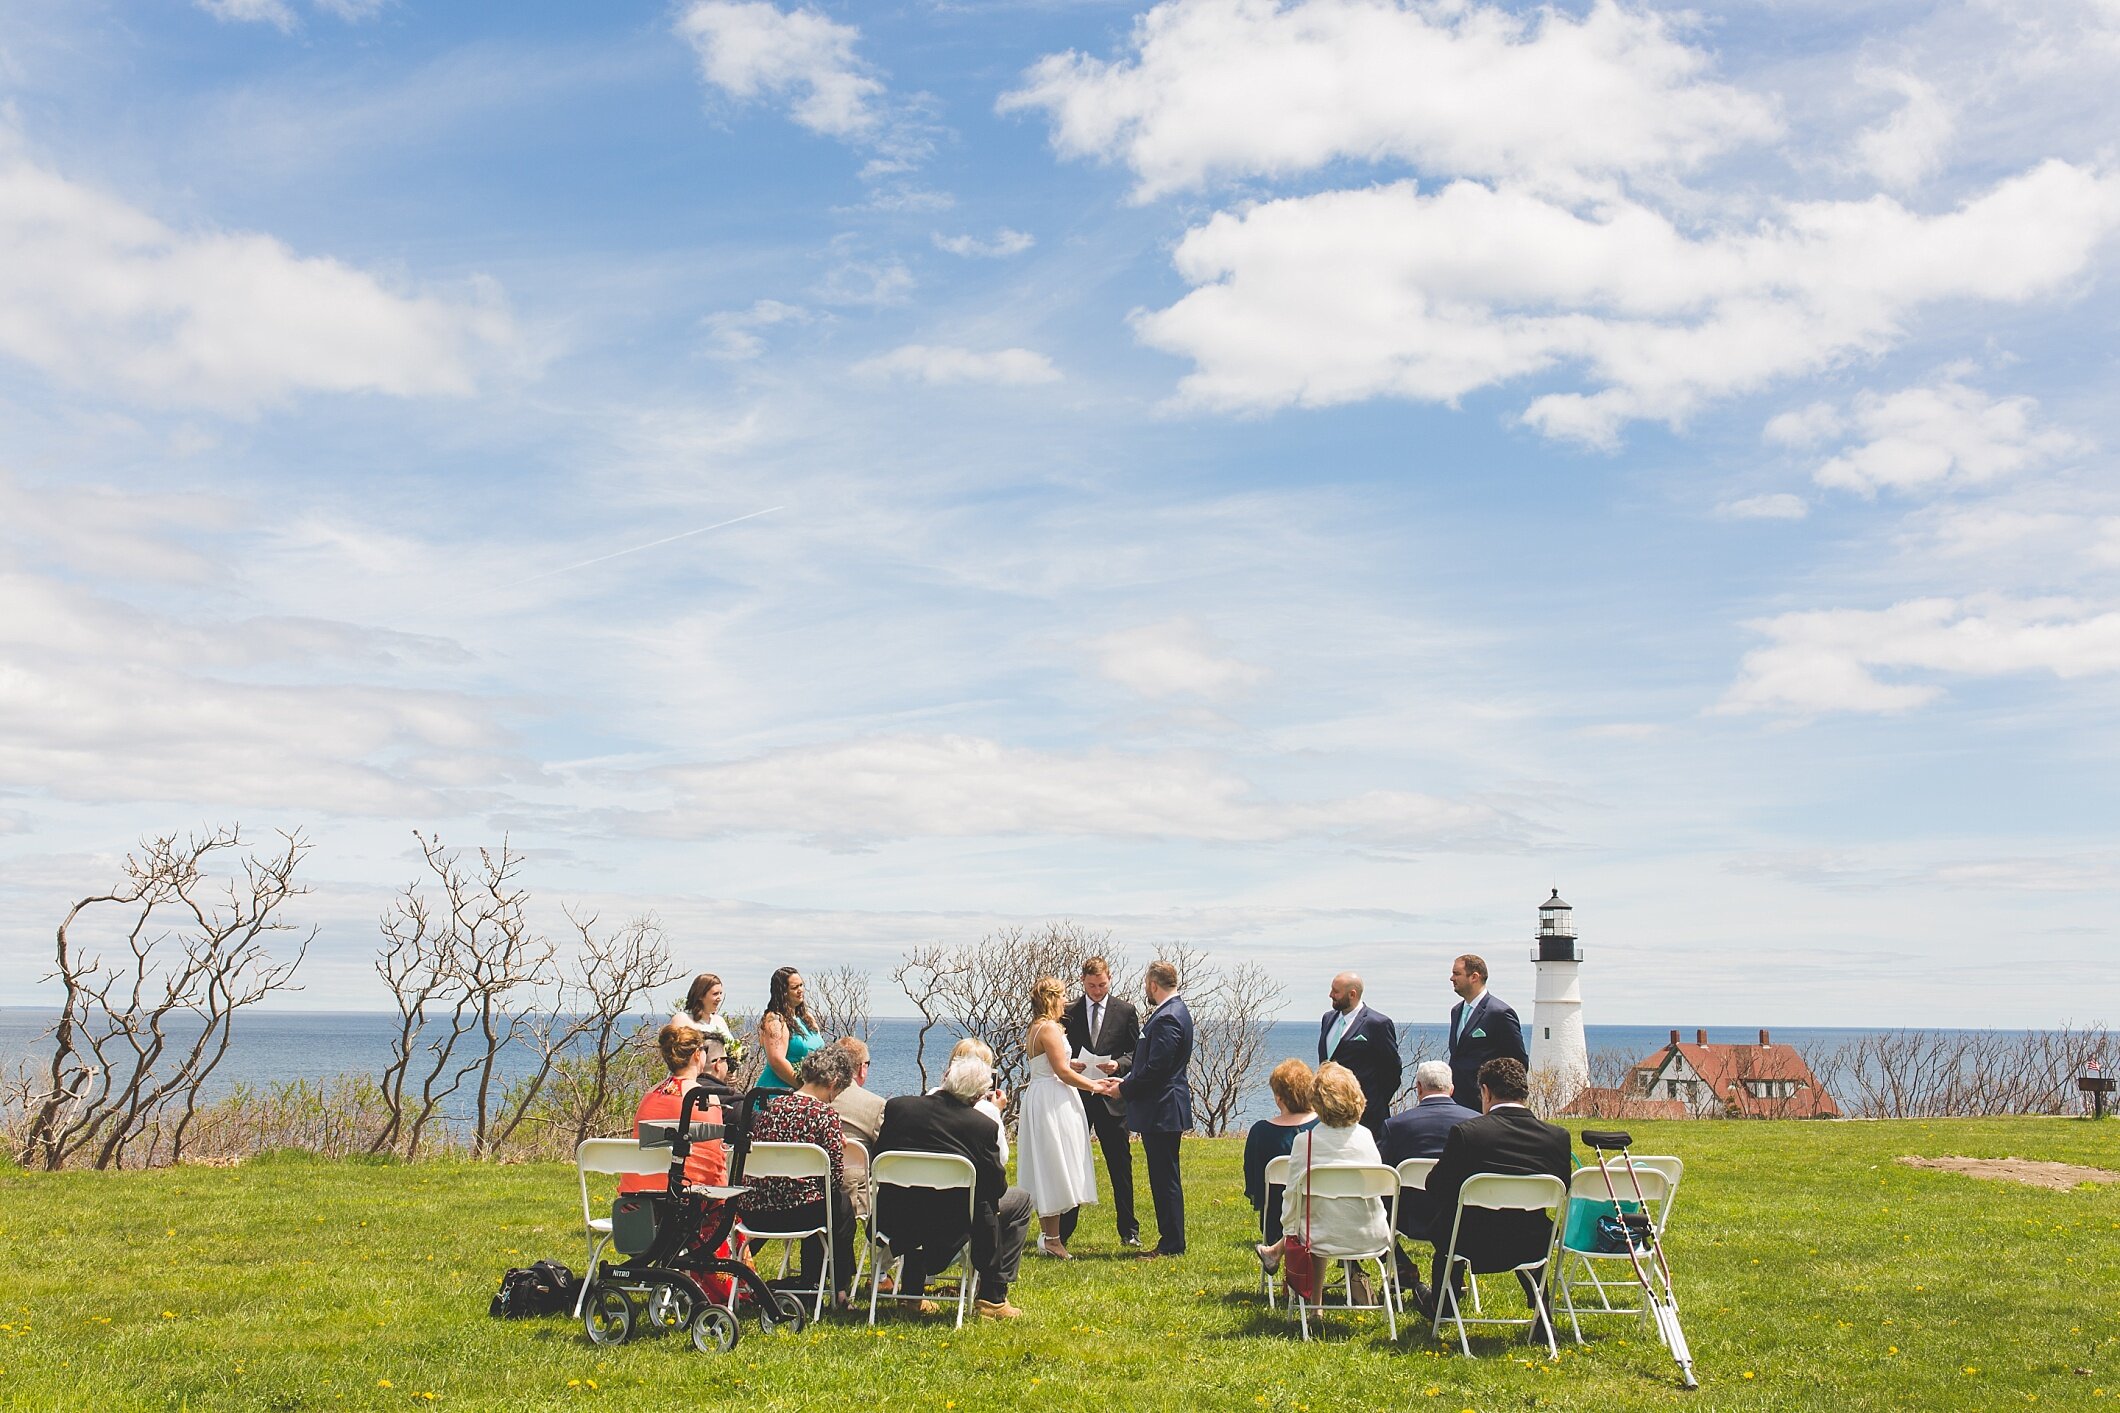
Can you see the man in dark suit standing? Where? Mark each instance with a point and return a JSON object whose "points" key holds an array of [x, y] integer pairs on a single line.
{"points": [[1158, 1097], [1482, 1028], [927, 1227], [1420, 1132], [1508, 1138], [1099, 1023], [1366, 1042]]}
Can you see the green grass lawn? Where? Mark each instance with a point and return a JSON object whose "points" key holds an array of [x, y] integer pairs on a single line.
{"points": [[1815, 1272]]}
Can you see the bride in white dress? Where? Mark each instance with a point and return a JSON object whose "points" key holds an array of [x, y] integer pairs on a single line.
{"points": [[1052, 1133]]}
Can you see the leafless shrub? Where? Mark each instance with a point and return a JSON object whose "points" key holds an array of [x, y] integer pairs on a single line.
{"points": [[1233, 1017], [461, 978], [584, 1020], [839, 999], [983, 988], [1919, 1074], [590, 1093], [143, 1027]]}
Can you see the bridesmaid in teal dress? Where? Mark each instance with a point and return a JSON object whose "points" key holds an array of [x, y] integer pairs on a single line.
{"points": [[786, 1033]]}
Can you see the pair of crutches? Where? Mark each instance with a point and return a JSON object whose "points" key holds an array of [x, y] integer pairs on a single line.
{"points": [[1654, 1274]]}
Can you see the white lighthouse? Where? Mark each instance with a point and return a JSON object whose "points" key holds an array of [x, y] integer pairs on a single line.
{"points": [[1558, 1050]]}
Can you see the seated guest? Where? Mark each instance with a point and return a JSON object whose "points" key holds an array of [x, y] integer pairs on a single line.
{"points": [[1419, 1132], [1508, 1138], [1334, 1223], [1269, 1139], [991, 1103], [861, 1117], [795, 1204], [685, 1050], [927, 1228]]}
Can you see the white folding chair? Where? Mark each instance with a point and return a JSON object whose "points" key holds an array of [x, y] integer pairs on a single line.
{"points": [[854, 1163], [934, 1172], [1413, 1176], [611, 1157], [791, 1160], [1502, 1192], [1276, 1176], [1673, 1169], [1370, 1182], [1576, 1267]]}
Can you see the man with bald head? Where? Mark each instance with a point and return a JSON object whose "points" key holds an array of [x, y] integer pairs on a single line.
{"points": [[1365, 1041]]}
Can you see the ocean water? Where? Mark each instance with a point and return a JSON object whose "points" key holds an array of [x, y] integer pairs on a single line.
{"points": [[276, 1046]]}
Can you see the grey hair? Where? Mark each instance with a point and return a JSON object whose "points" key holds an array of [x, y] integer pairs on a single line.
{"points": [[829, 1068], [968, 1079], [1434, 1076]]}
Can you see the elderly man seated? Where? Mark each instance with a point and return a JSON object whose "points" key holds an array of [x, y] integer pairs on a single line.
{"points": [[927, 1228]]}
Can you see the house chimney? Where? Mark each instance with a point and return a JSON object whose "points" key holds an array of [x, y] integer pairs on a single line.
{"points": [[1763, 1041], [1674, 1036], [1700, 1037]]}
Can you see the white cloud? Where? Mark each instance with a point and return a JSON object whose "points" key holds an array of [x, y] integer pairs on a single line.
{"points": [[1950, 433], [1347, 295], [101, 295], [872, 283], [931, 363], [1805, 426], [732, 334], [107, 531], [1177, 658], [1828, 661], [896, 787], [1218, 89], [756, 50], [1780, 506], [271, 12], [1909, 145], [1005, 242]]}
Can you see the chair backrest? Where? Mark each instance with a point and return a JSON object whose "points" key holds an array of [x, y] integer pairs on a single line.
{"points": [[1414, 1172], [854, 1155], [1589, 1184], [787, 1160], [617, 1157], [1673, 1169], [939, 1171], [1352, 1180], [1513, 1192], [1277, 1171]]}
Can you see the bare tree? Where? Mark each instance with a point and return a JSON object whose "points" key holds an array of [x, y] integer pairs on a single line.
{"points": [[463, 979], [983, 988], [588, 1017], [839, 999], [1920, 1074], [1233, 1016], [142, 1028]]}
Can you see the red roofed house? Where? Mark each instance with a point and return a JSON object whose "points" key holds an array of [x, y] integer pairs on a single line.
{"points": [[1763, 1081]]}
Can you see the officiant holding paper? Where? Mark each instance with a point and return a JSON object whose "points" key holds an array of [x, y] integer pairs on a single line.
{"points": [[1102, 1031]]}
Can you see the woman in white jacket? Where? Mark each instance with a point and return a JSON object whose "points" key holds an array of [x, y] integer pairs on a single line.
{"points": [[1336, 1223]]}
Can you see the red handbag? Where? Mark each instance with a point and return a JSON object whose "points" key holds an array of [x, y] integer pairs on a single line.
{"points": [[1299, 1264]]}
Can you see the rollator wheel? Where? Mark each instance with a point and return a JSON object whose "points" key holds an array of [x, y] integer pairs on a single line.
{"points": [[787, 1317], [715, 1331], [669, 1308], [608, 1316]]}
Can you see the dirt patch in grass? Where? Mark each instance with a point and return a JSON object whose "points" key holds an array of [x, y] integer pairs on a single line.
{"points": [[2061, 1177]]}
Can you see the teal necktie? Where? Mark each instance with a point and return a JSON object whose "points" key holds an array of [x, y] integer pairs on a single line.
{"points": [[1339, 1028]]}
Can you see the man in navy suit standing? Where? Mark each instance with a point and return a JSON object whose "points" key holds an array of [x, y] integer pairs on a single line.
{"points": [[1482, 1028], [1366, 1042], [1158, 1098]]}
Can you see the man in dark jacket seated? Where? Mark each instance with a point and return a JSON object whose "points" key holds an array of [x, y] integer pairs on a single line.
{"points": [[1508, 1138], [928, 1227]]}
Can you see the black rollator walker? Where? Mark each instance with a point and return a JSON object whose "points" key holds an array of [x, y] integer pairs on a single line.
{"points": [[669, 1243], [1644, 1246]]}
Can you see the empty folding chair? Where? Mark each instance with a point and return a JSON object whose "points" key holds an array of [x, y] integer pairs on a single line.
{"points": [[1587, 1257], [934, 1172]]}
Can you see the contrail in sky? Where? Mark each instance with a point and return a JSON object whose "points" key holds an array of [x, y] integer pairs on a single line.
{"points": [[636, 549]]}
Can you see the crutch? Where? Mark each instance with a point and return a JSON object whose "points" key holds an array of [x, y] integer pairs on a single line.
{"points": [[1642, 1235]]}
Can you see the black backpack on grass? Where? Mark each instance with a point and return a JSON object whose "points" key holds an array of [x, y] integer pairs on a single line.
{"points": [[547, 1288]]}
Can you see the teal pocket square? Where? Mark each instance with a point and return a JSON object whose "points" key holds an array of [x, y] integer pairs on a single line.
{"points": [[1480, 1034]]}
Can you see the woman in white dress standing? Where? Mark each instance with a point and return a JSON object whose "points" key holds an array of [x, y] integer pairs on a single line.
{"points": [[1052, 1133]]}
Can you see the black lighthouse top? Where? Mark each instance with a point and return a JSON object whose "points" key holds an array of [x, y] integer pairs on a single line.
{"points": [[1556, 931]]}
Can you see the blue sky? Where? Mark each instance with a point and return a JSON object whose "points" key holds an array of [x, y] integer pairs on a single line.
{"points": [[1303, 479]]}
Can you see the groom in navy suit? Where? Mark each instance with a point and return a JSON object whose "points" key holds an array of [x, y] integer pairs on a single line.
{"points": [[1159, 1101], [1482, 1028], [1366, 1042]]}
